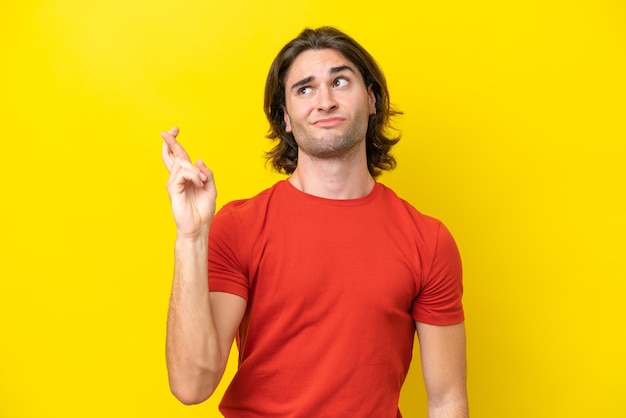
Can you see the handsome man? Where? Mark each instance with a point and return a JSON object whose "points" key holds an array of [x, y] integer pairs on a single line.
{"points": [[323, 278]]}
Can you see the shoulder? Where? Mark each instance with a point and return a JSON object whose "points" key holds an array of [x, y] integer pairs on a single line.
{"points": [[243, 208], [243, 218], [408, 212], [429, 233]]}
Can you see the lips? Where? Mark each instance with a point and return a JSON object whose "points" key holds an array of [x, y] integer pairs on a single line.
{"points": [[329, 122]]}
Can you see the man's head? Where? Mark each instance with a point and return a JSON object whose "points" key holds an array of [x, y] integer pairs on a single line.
{"points": [[284, 156]]}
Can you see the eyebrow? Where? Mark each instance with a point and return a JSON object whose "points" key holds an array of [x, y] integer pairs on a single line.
{"points": [[341, 68], [333, 70]]}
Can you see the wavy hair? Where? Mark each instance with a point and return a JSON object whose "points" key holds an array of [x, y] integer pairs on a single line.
{"points": [[284, 156]]}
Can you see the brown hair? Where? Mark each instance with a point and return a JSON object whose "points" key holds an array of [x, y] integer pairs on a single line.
{"points": [[284, 156]]}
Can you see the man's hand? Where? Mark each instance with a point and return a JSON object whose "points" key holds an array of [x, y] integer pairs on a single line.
{"points": [[191, 188]]}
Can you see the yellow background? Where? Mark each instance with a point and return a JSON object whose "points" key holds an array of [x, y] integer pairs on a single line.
{"points": [[514, 130]]}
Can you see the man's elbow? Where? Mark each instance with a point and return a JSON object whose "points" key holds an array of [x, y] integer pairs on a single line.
{"points": [[192, 394], [194, 388], [452, 405]]}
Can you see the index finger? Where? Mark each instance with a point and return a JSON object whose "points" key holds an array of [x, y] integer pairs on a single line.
{"points": [[174, 149]]}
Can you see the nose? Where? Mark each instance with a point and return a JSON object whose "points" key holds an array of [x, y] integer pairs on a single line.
{"points": [[326, 100]]}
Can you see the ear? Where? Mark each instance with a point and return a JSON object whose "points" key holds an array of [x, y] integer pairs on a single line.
{"points": [[372, 100], [287, 120]]}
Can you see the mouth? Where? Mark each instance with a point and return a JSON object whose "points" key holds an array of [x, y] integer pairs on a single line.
{"points": [[329, 122]]}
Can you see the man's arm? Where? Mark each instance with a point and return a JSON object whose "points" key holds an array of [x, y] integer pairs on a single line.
{"points": [[444, 368], [201, 326]]}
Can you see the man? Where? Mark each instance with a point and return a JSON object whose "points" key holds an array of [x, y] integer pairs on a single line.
{"points": [[324, 278]]}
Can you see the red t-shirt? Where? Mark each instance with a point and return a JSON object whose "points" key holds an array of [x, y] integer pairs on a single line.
{"points": [[334, 288]]}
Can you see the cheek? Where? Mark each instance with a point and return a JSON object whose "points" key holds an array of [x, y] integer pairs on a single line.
{"points": [[297, 114]]}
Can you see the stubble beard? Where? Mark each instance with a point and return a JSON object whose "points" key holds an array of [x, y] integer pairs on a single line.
{"points": [[331, 145]]}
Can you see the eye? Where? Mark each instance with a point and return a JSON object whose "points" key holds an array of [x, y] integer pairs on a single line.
{"points": [[304, 90], [340, 82]]}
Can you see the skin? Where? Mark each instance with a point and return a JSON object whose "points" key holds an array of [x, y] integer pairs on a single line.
{"points": [[201, 325], [442, 350], [327, 109]]}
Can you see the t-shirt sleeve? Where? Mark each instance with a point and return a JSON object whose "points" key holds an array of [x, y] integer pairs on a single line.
{"points": [[439, 299], [226, 269]]}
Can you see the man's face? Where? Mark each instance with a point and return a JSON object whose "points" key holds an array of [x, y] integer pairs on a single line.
{"points": [[327, 104]]}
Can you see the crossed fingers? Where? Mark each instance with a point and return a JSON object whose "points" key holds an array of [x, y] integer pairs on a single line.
{"points": [[178, 162]]}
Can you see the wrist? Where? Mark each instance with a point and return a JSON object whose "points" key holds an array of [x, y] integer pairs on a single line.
{"points": [[199, 236]]}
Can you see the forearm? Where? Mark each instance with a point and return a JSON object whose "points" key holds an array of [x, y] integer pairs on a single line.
{"points": [[194, 360]]}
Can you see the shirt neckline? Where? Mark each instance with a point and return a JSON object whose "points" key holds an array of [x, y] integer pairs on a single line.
{"points": [[299, 194]]}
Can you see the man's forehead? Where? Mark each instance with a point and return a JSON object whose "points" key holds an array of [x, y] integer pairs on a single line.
{"points": [[313, 60]]}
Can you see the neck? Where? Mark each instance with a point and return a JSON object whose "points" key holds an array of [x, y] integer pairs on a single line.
{"points": [[333, 178]]}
